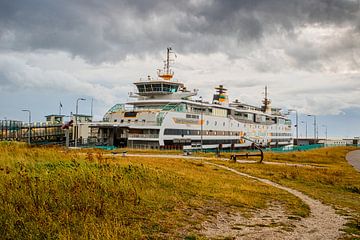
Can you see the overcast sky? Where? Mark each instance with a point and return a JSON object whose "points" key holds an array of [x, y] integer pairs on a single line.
{"points": [[306, 51]]}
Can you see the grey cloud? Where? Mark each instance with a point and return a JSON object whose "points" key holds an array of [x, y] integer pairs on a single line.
{"points": [[17, 75], [110, 30]]}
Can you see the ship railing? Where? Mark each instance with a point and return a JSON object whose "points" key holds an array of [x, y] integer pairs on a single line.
{"points": [[157, 79], [146, 123], [141, 135], [136, 123]]}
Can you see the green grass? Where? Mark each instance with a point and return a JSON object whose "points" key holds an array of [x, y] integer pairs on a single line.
{"points": [[53, 193]]}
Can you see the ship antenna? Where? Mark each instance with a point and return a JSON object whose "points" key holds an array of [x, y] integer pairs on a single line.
{"points": [[168, 60], [167, 73], [266, 95]]}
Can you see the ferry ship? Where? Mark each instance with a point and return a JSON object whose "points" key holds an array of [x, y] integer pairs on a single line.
{"points": [[166, 115]]}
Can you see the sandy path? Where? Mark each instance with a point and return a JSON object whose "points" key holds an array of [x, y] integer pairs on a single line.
{"points": [[353, 158], [323, 222]]}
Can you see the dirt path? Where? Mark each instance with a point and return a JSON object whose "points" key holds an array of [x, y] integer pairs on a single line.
{"points": [[323, 222], [353, 158], [271, 223]]}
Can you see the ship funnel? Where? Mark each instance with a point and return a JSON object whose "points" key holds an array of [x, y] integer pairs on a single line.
{"points": [[221, 96], [266, 108]]}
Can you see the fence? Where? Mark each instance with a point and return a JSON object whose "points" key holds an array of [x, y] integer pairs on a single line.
{"points": [[293, 148], [279, 149], [11, 130]]}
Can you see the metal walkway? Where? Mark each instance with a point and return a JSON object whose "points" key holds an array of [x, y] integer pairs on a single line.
{"points": [[11, 130]]}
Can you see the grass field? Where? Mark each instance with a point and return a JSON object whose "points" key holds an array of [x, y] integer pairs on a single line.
{"points": [[54, 193]]}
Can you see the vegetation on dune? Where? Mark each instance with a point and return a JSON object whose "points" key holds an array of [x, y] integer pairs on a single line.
{"points": [[145, 151], [59, 194], [327, 156]]}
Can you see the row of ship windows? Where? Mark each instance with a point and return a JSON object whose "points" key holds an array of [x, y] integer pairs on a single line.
{"points": [[246, 125], [183, 132], [129, 120], [215, 124], [279, 140], [208, 141], [224, 141], [172, 131], [280, 134]]}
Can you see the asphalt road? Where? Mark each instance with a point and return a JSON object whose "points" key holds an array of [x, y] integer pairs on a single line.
{"points": [[354, 159]]}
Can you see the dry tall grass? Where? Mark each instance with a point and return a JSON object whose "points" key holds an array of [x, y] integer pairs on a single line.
{"points": [[53, 193]]}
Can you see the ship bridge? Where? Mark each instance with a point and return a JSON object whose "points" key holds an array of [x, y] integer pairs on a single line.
{"points": [[158, 87], [164, 87]]}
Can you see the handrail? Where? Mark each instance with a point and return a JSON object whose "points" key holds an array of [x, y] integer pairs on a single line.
{"points": [[143, 135]]}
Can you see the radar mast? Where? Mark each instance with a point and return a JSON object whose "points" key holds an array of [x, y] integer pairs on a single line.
{"points": [[167, 73]]}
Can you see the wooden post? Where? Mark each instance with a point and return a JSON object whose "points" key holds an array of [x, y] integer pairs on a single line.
{"points": [[67, 140]]}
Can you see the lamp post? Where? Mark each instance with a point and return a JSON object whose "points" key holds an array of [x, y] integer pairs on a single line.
{"points": [[29, 135], [297, 123], [305, 128], [326, 131], [201, 124], [76, 113], [309, 115]]}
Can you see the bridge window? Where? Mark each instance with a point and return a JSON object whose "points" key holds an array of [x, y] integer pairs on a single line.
{"points": [[148, 88], [156, 88], [174, 88], [141, 88], [166, 87]]}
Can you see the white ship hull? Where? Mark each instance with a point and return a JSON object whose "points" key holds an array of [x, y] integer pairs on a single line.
{"points": [[172, 129]]}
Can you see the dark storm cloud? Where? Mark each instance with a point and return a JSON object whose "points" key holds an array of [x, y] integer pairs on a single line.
{"points": [[109, 30]]}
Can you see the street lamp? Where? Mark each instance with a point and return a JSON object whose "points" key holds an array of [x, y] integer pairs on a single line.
{"points": [[305, 128], [297, 123], [326, 130], [29, 135], [76, 116], [201, 124], [309, 115]]}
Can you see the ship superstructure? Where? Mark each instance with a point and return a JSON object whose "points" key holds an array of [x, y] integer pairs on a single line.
{"points": [[164, 114]]}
